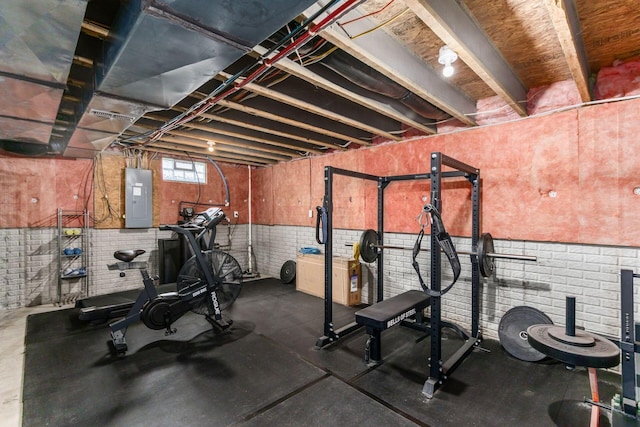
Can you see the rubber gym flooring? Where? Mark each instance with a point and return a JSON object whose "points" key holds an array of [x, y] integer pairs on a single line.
{"points": [[265, 371]]}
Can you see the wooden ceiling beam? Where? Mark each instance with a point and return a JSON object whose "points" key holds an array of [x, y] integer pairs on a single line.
{"points": [[291, 122], [306, 106], [222, 140], [269, 116], [180, 153], [176, 144], [309, 76], [220, 149], [458, 30], [386, 55], [246, 125], [213, 129], [564, 16]]}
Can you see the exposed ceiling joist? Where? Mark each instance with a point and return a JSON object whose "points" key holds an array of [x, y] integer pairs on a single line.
{"points": [[567, 25], [205, 137], [220, 149], [453, 25], [275, 132], [216, 130], [280, 119], [309, 76], [181, 153], [380, 51], [291, 122], [306, 106]]}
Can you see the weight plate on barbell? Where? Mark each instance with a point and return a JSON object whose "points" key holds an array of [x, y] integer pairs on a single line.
{"points": [[368, 250], [601, 354], [512, 332], [486, 263]]}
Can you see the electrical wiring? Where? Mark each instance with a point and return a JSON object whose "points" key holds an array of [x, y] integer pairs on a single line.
{"points": [[100, 184], [377, 27], [314, 59], [367, 15], [87, 181]]}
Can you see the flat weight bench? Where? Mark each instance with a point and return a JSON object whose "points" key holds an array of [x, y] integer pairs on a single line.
{"points": [[387, 313]]}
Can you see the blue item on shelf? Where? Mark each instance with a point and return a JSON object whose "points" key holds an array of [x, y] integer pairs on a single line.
{"points": [[77, 251], [309, 250], [67, 251]]}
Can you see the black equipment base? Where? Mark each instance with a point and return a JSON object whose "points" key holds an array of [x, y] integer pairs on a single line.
{"points": [[101, 308]]}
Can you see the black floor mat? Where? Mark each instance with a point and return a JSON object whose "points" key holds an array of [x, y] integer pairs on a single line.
{"points": [[265, 371], [208, 380]]}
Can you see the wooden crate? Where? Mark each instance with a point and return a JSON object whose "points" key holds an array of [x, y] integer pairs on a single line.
{"points": [[347, 280]]}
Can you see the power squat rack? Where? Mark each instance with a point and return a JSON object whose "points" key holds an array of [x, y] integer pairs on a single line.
{"points": [[438, 370]]}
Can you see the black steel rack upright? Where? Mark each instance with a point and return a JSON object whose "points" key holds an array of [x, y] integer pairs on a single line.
{"points": [[438, 370]]}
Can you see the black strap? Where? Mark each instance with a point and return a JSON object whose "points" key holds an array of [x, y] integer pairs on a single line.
{"points": [[321, 217], [445, 242]]}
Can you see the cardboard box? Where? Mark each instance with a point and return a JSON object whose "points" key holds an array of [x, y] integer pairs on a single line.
{"points": [[347, 280]]}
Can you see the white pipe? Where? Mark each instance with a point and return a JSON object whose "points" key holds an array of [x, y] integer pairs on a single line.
{"points": [[249, 248]]}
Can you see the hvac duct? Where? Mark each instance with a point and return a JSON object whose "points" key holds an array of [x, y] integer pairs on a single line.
{"points": [[37, 43], [371, 80], [160, 51]]}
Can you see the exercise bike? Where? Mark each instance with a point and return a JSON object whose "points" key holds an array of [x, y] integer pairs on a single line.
{"points": [[209, 282]]}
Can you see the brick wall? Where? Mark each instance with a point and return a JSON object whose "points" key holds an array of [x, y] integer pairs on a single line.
{"points": [[591, 273], [29, 263]]}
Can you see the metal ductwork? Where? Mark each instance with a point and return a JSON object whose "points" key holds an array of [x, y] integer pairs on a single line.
{"points": [[158, 52], [37, 43]]}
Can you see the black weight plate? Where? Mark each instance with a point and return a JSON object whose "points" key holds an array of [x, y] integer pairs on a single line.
{"points": [[368, 252], [486, 263], [512, 332], [288, 271], [602, 354]]}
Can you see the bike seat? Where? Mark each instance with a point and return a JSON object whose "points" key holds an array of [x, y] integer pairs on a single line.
{"points": [[128, 255]]}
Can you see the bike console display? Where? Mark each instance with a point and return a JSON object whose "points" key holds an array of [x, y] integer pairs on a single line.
{"points": [[209, 218]]}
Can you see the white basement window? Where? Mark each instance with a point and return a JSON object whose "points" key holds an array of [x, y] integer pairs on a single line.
{"points": [[184, 171]]}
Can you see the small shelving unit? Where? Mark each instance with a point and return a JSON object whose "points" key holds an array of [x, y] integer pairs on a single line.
{"points": [[73, 253]]}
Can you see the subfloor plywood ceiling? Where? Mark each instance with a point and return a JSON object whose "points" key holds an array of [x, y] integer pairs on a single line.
{"points": [[266, 82]]}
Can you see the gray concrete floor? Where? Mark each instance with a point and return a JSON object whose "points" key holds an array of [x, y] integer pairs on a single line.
{"points": [[12, 334]]}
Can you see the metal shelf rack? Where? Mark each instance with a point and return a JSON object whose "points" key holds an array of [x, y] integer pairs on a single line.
{"points": [[73, 253]]}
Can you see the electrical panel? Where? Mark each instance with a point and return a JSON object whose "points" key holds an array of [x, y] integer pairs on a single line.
{"points": [[138, 198]]}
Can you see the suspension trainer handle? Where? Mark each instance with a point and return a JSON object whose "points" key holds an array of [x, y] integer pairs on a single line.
{"points": [[321, 217]]}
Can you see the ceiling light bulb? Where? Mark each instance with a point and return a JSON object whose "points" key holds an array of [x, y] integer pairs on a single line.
{"points": [[447, 71], [446, 57], [210, 148], [211, 144]]}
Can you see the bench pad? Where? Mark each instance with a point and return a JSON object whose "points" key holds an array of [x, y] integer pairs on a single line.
{"points": [[392, 311]]}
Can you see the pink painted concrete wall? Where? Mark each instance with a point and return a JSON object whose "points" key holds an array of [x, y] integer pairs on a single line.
{"points": [[566, 177], [172, 193], [33, 190], [587, 158]]}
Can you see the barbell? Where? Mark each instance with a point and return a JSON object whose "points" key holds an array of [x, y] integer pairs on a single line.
{"points": [[369, 251]]}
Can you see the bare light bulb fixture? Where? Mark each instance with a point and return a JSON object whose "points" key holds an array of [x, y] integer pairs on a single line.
{"points": [[211, 144], [447, 57]]}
